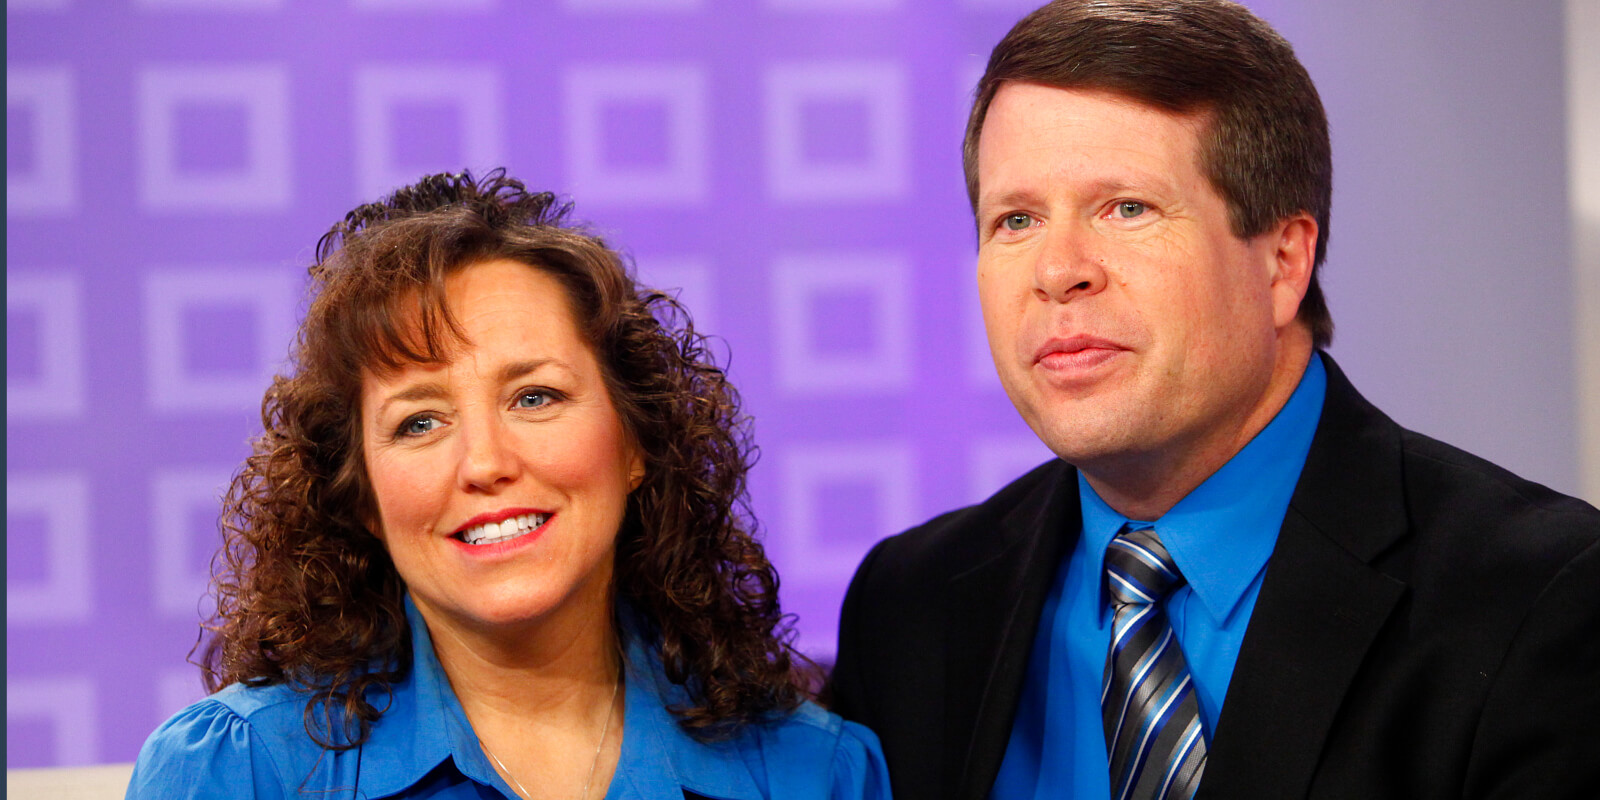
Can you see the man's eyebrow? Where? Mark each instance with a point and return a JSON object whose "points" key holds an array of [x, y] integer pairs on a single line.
{"points": [[1014, 197], [1140, 183]]}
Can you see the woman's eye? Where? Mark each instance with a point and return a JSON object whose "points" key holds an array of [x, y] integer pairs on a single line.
{"points": [[532, 399], [418, 425], [1128, 209], [1017, 222]]}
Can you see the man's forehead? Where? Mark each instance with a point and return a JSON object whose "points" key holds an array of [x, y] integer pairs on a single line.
{"points": [[1101, 139], [1061, 105]]}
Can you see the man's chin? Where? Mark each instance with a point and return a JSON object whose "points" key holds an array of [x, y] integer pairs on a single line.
{"points": [[1086, 447]]}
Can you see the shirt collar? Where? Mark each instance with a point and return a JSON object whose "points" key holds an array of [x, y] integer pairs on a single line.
{"points": [[659, 759], [422, 726], [1221, 534]]}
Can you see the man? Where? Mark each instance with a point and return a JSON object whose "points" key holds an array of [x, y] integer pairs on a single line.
{"points": [[1240, 579]]}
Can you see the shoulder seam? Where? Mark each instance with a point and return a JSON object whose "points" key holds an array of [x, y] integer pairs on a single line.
{"points": [[266, 752], [1500, 476]]}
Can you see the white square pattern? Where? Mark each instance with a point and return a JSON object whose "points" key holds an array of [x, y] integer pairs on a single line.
{"points": [[50, 186], [66, 593], [680, 89], [690, 281], [834, 6], [887, 468], [211, 5], [262, 183], [173, 384], [1010, 6], [969, 74], [440, 6], [634, 6], [980, 369], [57, 392], [67, 704], [879, 87], [475, 93], [178, 496], [997, 461], [798, 280], [176, 689]]}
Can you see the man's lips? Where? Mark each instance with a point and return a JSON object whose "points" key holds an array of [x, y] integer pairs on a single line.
{"points": [[1076, 352]]}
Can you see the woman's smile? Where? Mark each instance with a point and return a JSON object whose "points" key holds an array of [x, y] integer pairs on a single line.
{"points": [[501, 527], [502, 473]]}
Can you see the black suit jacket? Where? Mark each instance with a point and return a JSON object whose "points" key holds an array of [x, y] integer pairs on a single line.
{"points": [[1429, 627]]}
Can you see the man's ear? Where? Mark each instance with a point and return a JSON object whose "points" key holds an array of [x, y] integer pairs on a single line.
{"points": [[1294, 251]]}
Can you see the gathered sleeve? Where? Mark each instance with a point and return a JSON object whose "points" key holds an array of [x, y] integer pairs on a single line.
{"points": [[859, 770], [205, 751]]}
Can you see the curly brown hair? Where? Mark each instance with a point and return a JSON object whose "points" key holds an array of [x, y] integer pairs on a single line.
{"points": [[307, 596]]}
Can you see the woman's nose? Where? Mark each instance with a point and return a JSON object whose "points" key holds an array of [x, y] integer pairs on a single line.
{"points": [[487, 458]]}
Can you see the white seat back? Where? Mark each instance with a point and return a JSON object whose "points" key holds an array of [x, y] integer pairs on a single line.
{"points": [[99, 782]]}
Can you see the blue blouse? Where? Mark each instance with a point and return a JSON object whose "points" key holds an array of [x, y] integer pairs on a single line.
{"points": [[251, 742]]}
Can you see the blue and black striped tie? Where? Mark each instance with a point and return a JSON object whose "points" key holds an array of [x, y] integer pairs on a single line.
{"points": [[1154, 737]]}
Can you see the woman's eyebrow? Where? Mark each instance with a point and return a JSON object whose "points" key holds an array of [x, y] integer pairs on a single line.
{"points": [[430, 390], [517, 369], [434, 390]]}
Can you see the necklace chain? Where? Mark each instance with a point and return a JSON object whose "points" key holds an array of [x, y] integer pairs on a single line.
{"points": [[594, 763]]}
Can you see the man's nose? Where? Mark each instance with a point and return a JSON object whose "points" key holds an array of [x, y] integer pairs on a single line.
{"points": [[1069, 265], [488, 459]]}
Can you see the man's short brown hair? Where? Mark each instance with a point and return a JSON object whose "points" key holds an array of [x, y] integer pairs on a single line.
{"points": [[1266, 147]]}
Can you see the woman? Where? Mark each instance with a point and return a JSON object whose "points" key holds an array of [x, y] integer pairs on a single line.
{"points": [[493, 541]]}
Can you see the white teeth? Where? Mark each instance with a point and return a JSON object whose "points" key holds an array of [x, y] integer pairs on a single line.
{"points": [[503, 531]]}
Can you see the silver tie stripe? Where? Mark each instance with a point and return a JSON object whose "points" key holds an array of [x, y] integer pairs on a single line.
{"points": [[1154, 738]]}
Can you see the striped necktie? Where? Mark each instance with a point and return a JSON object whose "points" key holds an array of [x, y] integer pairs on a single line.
{"points": [[1153, 732]]}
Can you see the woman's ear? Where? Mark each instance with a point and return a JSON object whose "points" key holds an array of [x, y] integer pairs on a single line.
{"points": [[635, 471], [373, 523]]}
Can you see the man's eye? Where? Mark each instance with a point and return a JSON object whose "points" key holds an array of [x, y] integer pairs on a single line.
{"points": [[418, 425], [1017, 222], [1128, 209]]}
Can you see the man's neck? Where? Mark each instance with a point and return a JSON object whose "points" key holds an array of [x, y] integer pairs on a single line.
{"points": [[1144, 486]]}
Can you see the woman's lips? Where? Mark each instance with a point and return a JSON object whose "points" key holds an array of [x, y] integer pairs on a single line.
{"points": [[498, 531], [498, 515], [489, 543]]}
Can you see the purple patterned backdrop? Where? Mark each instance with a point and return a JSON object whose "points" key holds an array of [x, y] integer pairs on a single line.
{"points": [[791, 165]]}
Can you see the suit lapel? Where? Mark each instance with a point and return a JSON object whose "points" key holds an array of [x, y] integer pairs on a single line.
{"points": [[993, 609], [1321, 605]]}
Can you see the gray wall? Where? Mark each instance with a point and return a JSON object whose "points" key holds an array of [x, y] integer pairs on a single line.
{"points": [[1449, 272]]}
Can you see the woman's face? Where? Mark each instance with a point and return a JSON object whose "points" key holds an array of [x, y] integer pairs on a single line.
{"points": [[501, 476]]}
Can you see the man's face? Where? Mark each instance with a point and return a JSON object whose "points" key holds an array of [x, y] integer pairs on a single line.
{"points": [[1128, 324]]}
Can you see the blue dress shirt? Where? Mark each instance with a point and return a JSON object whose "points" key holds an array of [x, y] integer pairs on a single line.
{"points": [[1220, 535], [251, 743]]}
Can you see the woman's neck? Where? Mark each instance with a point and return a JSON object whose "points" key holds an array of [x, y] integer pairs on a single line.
{"points": [[531, 668], [544, 698]]}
